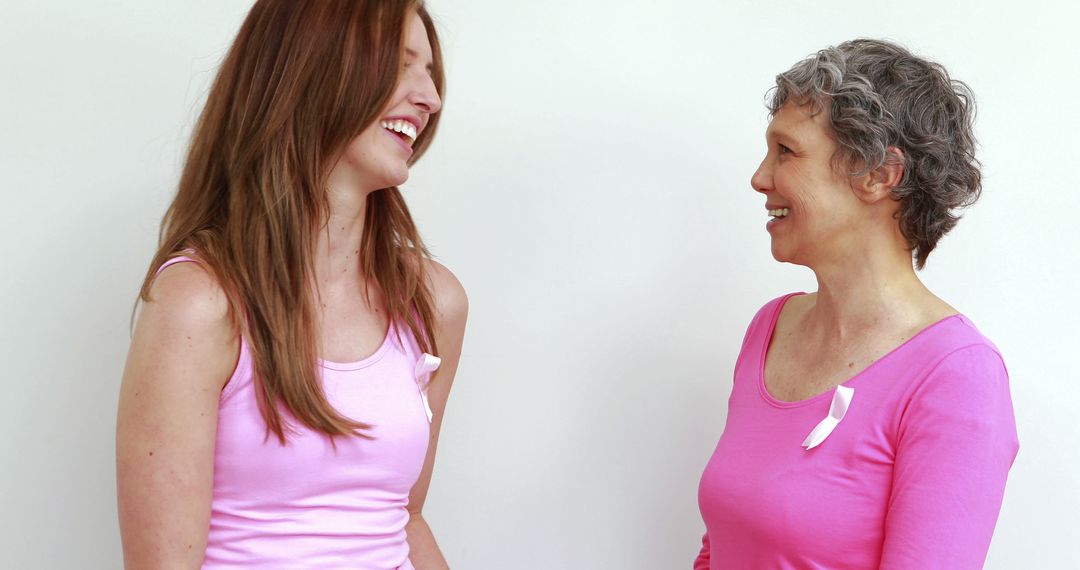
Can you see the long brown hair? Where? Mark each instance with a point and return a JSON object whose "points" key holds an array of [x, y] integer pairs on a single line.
{"points": [[303, 78]]}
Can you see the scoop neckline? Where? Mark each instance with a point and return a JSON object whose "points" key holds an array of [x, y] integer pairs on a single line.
{"points": [[778, 403], [365, 361]]}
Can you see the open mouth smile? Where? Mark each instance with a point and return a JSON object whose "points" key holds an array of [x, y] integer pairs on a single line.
{"points": [[776, 216], [402, 129]]}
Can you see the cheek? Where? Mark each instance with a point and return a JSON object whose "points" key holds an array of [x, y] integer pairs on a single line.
{"points": [[813, 199], [797, 185], [360, 149]]}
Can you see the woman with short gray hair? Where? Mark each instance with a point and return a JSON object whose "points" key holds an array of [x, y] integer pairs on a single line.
{"points": [[870, 424]]}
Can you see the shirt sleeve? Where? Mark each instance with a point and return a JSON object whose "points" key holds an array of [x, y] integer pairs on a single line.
{"points": [[955, 445], [702, 561]]}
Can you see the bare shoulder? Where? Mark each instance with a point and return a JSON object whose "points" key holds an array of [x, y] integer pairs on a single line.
{"points": [[793, 310], [187, 295], [936, 308], [187, 319], [800, 303], [451, 302]]}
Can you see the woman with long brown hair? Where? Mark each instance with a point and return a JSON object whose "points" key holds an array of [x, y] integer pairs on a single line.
{"points": [[280, 406]]}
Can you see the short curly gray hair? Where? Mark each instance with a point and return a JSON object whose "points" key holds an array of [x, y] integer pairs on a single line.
{"points": [[878, 94]]}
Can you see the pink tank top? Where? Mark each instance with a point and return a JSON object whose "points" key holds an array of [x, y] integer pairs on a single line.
{"points": [[305, 504]]}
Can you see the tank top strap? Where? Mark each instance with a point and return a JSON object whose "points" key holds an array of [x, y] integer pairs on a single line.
{"points": [[186, 255]]}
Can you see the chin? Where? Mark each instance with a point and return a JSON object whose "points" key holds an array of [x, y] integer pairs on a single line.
{"points": [[779, 255], [785, 256], [395, 177]]}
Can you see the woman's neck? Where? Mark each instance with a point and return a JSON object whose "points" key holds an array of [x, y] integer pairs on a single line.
{"points": [[337, 245], [879, 291]]}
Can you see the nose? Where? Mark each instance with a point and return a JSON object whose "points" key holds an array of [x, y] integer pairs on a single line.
{"points": [[762, 178], [423, 95]]}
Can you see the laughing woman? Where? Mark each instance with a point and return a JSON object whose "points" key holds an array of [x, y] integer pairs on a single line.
{"points": [[870, 424], [280, 406]]}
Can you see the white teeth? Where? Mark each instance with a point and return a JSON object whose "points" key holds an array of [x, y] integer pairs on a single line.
{"points": [[779, 213], [404, 127]]}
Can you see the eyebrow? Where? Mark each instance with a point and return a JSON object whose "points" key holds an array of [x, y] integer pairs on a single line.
{"points": [[779, 134], [416, 55]]}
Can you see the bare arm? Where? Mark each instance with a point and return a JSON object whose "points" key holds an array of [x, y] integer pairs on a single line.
{"points": [[182, 352], [452, 307]]}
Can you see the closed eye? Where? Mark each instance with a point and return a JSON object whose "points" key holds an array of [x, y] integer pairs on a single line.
{"points": [[410, 56]]}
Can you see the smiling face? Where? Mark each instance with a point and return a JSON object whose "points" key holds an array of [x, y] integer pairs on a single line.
{"points": [[379, 156], [815, 214]]}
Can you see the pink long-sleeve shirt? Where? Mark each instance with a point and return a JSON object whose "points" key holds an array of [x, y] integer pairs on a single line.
{"points": [[912, 477]]}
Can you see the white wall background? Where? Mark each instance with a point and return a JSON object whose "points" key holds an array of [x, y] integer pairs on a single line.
{"points": [[590, 187]]}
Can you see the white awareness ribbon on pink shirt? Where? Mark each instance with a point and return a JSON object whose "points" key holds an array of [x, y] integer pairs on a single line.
{"points": [[425, 366], [840, 402]]}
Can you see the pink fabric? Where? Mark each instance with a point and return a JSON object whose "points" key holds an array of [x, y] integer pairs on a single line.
{"points": [[307, 505], [912, 477]]}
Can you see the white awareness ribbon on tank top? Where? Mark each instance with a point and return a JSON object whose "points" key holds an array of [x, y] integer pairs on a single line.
{"points": [[425, 366]]}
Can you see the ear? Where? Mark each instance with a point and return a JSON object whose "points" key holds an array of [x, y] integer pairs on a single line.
{"points": [[878, 184]]}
